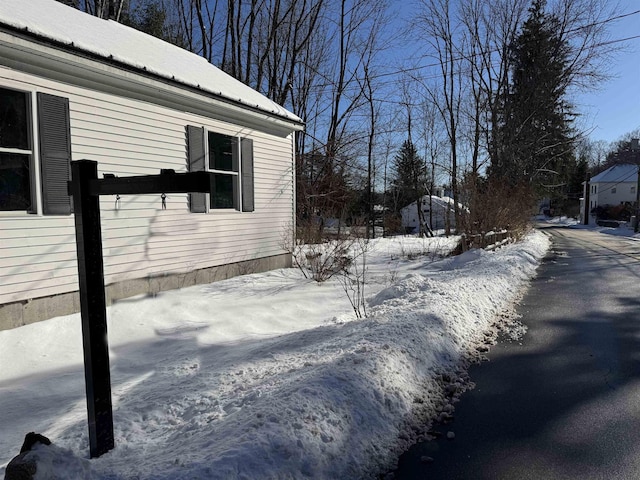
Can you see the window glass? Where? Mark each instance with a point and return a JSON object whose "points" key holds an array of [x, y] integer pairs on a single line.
{"points": [[15, 190], [222, 149], [14, 120], [223, 158], [230, 159], [225, 192], [15, 166]]}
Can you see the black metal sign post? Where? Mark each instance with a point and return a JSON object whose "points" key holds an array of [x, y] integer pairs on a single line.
{"points": [[92, 307], [86, 188]]}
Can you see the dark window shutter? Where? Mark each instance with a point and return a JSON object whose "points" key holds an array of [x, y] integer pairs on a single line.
{"points": [[55, 153], [196, 160], [248, 201]]}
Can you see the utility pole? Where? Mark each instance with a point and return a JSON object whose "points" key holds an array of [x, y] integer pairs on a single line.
{"points": [[635, 226], [587, 207]]}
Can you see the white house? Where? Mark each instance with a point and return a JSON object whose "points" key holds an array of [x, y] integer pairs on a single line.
{"points": [[73, 87], [614, 186], [438, 214]]}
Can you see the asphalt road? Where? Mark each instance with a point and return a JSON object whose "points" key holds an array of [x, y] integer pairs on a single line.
{"points": [[564, 402]]}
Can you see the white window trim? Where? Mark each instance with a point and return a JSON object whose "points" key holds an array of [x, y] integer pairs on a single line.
{"points": [[34, 153], [35, 136], [237, 174]]}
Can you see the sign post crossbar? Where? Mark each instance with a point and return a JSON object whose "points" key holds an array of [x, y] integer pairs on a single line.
{"points": [[85, 187]]}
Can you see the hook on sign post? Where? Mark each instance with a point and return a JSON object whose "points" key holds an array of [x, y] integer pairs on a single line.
{"points": [[86, 188]]}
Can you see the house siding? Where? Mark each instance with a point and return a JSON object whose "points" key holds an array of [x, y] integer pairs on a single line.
{"points": [[440, 215], [141, 240], [605, 194]]}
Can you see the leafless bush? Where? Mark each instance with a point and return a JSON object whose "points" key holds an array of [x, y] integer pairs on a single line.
{"points": [[494, 206], [321, 261], [316, 258], [343, 257], [353, 277]]}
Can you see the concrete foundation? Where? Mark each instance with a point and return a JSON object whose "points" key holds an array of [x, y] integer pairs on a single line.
{"points": [[17, 314]]}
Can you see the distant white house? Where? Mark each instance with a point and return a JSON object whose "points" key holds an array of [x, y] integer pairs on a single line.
{"points": [[616, 185], [72, 87], [438, 214]]}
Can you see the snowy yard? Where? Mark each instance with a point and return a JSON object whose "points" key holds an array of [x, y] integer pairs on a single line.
{"points": [[268, 375]]}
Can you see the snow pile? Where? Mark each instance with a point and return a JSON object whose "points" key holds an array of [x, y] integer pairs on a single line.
{"points": [[55, 463], [567, 221], [270, 375]]}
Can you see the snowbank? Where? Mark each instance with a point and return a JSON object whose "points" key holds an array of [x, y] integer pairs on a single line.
{"points": [[271, 375]]}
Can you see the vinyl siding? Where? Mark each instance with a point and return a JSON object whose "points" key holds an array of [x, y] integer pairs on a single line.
{"points": [[129, 137], [604, 194]]}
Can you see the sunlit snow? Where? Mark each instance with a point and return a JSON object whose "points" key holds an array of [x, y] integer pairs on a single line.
{"points": [[268, 375]]}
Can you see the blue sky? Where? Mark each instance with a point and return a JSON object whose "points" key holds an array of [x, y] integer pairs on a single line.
{"points": [[614, 108]]}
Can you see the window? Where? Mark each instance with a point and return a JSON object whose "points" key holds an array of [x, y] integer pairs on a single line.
{"points": [[20, 170], [224, 162], [633, 189], [15, 151], [613, 190], [231, 161]]}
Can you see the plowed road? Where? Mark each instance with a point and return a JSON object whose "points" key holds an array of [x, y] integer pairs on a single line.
{"points": [[564, 402]]}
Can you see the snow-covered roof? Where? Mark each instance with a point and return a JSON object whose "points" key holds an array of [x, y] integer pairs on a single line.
{"points": [[617, 174], [108, 39], [442, 202]]}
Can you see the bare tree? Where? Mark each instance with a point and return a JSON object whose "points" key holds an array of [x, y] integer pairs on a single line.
{"points": [[110, 9], [487, 30], [431, 133], [437, 23], [368, 93], [584, 25], [352, 32], [492, 27]]}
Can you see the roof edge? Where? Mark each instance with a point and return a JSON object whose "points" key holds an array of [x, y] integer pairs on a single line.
{"points": [[91, 71], [27, 35]]}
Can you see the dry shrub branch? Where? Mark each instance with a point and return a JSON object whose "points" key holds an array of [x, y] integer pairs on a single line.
{"points": [[494, 206]]}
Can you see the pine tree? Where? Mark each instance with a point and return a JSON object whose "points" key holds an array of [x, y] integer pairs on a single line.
{"points": [[411, 180], [534, 137], [153, 17], [409, 174]]}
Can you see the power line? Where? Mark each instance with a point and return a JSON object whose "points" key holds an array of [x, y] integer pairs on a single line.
{"points": [[473, 56], [582, 27], [616, 182], [434, 76]]}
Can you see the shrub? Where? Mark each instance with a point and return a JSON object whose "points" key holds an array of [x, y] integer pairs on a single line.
{"points": [[493, 205]]}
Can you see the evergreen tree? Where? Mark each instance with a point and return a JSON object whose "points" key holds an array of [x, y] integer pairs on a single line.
{"points": [[153, 17], [149, 16], [411, 180], [534, 137], [624, 151], [70, 3]]}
